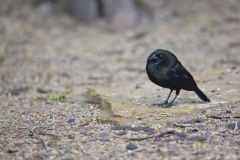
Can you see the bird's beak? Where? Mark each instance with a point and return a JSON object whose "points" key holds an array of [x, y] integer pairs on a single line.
{"points": [[153, 58]]}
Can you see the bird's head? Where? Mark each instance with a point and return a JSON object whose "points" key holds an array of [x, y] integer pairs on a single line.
{"points": [[162, 57]]}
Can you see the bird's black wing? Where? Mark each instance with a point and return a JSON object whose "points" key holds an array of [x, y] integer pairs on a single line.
{"points": [[180, 78]]}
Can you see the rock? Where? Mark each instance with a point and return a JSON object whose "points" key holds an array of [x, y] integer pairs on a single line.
{"points": [[43, 91], [12, 150], [131, 147], [18, 90], [238, 143], [71, 136], [148, 130], [228, 111], [120, 133], [71, 121], [217, 91]]}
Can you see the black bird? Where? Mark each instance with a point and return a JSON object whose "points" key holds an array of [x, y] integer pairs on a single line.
{"points": [[164, 69]]}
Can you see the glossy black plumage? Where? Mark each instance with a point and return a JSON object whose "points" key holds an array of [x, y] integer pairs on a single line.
{"points": [[164, 69]]}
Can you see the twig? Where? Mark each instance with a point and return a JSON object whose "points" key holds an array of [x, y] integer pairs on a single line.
{"points": [[219, 117], [33, 134], [181, 125], [161, 134], [53, 135], [223, 117]]}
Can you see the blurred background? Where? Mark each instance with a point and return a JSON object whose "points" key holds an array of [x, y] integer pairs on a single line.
{"points": [[53, 51], [43, 38], [114, 14]]}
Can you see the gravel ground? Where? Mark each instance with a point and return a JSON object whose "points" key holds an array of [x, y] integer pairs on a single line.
{"points": [[48, 62]]}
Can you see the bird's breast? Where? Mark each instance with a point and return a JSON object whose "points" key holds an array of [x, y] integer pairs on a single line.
{"points": [[157, 75]]}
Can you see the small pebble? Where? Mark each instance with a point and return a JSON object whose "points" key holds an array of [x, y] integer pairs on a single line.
{"points": [[139, 118], [71, 121], [238, 143], [148, 130], [137, 86], [18, 91], [43, 91], [104, 137], [12, 150], [131, 147], [71, 136], [228, 111]]}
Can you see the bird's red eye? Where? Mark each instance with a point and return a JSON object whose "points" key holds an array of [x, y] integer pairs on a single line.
{"points": [[160, 56]]}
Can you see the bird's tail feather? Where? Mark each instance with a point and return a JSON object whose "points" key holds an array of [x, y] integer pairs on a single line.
{"points": [[201, 95]]}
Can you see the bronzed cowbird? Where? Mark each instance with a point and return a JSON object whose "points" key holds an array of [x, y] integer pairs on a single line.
{"points": [[164, 69]]}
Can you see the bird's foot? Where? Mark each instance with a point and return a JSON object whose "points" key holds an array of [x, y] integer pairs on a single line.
{"points": [[160, 104], [164, 104]]}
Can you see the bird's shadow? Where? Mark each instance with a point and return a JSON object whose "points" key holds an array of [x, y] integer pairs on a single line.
{"points": [[168, 105], [164, 105]]}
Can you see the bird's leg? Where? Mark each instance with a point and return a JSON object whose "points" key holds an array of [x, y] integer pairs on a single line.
{"points": [[177, 93], [164, 102]]}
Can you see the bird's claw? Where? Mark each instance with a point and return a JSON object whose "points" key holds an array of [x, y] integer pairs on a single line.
{"points": [[159, 104], [165, 104]]}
